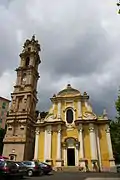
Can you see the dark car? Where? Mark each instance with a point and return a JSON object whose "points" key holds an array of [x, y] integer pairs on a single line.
{"points": [[118, 168], [46, 168], [8, 168], [21, 168], [32, 168]]}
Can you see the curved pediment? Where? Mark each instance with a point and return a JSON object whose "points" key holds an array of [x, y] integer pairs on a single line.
{"points": [[51, 118], [89, 116]]}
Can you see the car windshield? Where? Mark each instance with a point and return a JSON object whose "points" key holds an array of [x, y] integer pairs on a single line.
{"points": [[20, 163]]}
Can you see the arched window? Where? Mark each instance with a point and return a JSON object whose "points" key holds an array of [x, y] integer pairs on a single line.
{"points": [[69, 116], [27, 61]]}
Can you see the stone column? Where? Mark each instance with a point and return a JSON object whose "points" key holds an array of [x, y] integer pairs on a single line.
{"points": [[47, 146], [79, 109], [59, 110], [110, 151], [65, 156], [76, 156], [37, 132], [81, 149], [93, 144], [49, 130], [99, 152], [59, 160]]}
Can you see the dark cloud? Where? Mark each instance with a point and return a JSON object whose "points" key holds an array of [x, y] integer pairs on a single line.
{"points": [[79, 42]]}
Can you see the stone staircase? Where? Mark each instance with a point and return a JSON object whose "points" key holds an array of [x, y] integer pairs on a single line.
{"points": [[70, 169]]}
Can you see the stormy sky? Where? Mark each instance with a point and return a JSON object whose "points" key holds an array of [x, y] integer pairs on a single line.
{"points": [[80, 45]]}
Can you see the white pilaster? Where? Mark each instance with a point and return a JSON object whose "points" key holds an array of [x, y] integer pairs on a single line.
{"points": [[110, 151], [79, 109], [65, 156], [47, 146], [93, 145], [49, 142], [76, 157], [59, 146], [98, 147], [81, 151], [36, 144], [59, 110]]}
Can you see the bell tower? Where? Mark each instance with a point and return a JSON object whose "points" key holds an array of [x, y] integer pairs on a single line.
{"points": [[19, 138]]}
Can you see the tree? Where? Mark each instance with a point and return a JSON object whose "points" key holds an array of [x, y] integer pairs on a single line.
{"points": [[117, 105], [115, 131], [115, 137]]}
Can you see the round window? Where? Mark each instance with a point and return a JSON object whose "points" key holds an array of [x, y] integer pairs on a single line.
{"points": [[69, 116]]}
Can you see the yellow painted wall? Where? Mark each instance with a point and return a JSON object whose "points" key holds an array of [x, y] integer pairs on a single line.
{"points": [[70, 133], [103, 146], [41, 146], [87, 149], [54, 147]]}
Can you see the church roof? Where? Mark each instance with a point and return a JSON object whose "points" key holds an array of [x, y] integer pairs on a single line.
{"points": [[68, 91]]}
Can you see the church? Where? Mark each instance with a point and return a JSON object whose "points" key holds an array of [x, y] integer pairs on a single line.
{"points": [[71, 134]]}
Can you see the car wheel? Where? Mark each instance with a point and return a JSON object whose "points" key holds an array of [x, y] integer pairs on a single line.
{"points": [[30, 173]]}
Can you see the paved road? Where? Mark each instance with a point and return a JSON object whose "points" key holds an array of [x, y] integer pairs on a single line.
{"points": [[78, 176]]}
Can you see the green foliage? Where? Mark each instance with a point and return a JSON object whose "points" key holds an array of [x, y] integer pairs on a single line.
{"points": [[115, 137], [117, 105], [115, 131]]}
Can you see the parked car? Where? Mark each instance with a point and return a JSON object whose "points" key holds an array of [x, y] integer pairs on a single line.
{"points": [[118, 168], [21, 168], [32, 168], [9, 168], [46, 168]]}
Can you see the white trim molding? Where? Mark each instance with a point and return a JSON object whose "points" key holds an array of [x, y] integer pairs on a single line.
{"points": [[70, 126]]}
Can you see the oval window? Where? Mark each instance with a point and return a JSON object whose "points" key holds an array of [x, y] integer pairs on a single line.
{"points": [[69, 116]]}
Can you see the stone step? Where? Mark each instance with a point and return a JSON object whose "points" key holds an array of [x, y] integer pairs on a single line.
{"points": [[70, 169]]}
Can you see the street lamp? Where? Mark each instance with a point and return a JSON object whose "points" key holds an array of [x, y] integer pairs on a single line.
{"points": [[118, 4]]}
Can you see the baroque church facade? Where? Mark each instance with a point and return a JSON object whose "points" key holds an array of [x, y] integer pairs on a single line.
{"points": [[71, 134]]}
